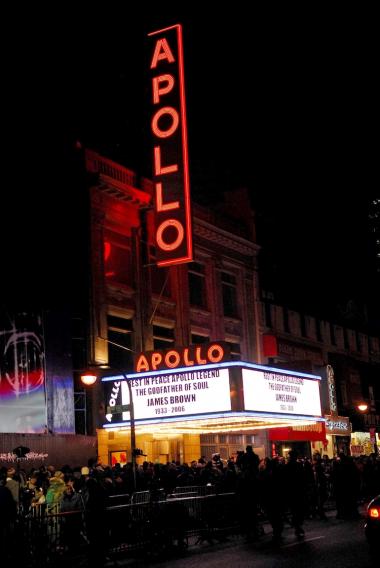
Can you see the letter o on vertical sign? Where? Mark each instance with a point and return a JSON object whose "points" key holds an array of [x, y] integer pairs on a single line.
{"points": [[170, 223], [170, 153], [173, 114]]}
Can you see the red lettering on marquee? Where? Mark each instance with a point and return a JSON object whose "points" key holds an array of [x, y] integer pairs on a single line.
{"points": [[172, 359], [156, 360], [198, 357], [186, 357]]}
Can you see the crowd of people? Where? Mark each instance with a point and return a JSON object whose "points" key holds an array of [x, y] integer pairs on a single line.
{"points": [[294, 488]]}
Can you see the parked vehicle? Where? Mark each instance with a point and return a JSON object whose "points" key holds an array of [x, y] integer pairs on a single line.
{"points": [[372, 525]]}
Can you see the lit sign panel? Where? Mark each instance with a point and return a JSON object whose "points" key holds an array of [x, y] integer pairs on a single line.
{"points": [[186, 357], [281, 392], [338, 425], [170, 154], [22, 374], [170, 395]]}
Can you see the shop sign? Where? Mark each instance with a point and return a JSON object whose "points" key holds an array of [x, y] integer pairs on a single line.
{"points": [[338, 425], [357, 450], [181, 357], [372, 435], [331, 390], [371, 420], [281, 392], [310, 432], [173, 232], [297, 352]]}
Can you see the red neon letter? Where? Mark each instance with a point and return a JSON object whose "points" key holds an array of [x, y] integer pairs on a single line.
{"points": [[161, 51], [156, 360], [198, 357], [157, 91], [172, 364], [159, 204], [186, 359], [175, 121], [175, 244], [158, 169], [215, 358], [142, 364]]}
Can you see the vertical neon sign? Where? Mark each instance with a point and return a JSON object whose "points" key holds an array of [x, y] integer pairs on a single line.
{"points": [[170, 153]]}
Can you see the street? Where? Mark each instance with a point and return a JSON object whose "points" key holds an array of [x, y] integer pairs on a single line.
{"points": [[332, 543]]}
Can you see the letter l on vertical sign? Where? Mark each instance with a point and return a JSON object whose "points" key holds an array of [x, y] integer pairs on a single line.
{"points": [[173, 229]]}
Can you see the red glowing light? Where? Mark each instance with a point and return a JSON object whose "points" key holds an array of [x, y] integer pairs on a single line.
{"points": [[172, 199], [168, 111], [88, 379], [157, 91], [162, 51]]}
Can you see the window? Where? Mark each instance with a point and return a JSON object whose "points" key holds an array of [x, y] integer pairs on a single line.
{"points": [[343, 392], [303, 325], [163, 337], [268, 314], [229, 294], [358, 342], [117, 263], [286, 320], [120, 354], [197, 285], [80, 412], [345, 337], [333, 336], [199, 339], [318, 330], [159, 276], [235, 351]]}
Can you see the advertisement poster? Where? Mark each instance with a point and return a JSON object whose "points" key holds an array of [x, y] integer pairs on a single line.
{"points": [[22, 373]]}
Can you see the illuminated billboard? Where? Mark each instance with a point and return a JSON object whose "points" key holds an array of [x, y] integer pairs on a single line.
{"points": [[170, 154], [281, 392], [228, 388], [164, 396], [22, 374]]}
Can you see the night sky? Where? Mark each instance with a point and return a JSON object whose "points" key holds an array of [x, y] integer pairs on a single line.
{"points": [[285, 104]]}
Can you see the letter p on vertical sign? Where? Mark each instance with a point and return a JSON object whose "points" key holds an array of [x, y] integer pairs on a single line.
{"points": [[173, 227]]}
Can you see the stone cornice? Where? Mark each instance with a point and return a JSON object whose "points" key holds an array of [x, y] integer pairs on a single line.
{"points": [[221, 237]]}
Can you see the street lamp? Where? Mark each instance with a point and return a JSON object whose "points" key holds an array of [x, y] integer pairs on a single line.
{"points": [[363, 406], [89, 379]]}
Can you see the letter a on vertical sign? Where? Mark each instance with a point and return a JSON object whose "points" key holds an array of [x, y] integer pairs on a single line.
{"points": [[170, 154]]}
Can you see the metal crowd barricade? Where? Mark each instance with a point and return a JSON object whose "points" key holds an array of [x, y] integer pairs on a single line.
{"points": [[140, 497], [48, 534], [159, 525], [150, 523]]}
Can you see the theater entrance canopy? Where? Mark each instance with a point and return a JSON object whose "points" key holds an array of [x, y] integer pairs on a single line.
{"points": [[226, 396]]}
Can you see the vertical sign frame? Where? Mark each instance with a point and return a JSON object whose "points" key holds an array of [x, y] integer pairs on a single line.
{"points": [[173, 231]]}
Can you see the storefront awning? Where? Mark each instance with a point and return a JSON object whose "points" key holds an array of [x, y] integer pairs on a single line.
{"points": [[302, 432]]}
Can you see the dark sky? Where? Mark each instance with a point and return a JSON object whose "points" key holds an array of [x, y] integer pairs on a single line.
{"points": [[283, 103]]}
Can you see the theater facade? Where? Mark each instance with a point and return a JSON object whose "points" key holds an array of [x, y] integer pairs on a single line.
{"points": [[175, 408]]}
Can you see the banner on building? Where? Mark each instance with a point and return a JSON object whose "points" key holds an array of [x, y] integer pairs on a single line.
{"points": [[22, 374]]}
